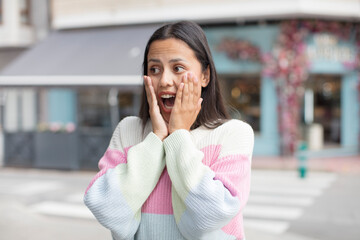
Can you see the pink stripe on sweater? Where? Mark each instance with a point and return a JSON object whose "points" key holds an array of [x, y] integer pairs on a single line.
{"points": [[234, 172], [231, 170], [211, 154], [159, 201], [110, 160], [235, 227]]}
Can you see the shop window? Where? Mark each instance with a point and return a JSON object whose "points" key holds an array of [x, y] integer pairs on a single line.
{"points": [[25, 12], [94, 107], [322, 110], [104, 107], [126, 104], [242, 96]]}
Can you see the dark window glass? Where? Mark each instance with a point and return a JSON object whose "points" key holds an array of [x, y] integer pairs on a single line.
{"points": [[104, 107], [322, 109], [94, 107], [242, 95]]}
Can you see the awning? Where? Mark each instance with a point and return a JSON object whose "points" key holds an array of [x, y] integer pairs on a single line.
{"points": [[7, 55], [108, 56]]}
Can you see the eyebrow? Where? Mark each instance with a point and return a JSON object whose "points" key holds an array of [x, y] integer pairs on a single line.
{"points": [[177, 60], [171, 61], [153, 60]]}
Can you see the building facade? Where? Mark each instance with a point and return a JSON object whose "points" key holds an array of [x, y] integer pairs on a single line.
{"points": [[22, 24], [290, 89], [292, 78]]}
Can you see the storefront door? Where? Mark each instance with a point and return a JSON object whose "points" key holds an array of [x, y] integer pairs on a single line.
{"points": [[322, 111]]}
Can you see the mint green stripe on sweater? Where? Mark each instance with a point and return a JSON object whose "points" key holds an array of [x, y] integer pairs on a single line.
{"points": [[184, 162], [140, 175]]}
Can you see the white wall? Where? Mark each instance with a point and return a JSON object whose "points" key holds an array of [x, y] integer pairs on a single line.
{"points": [[12, 32], [40, 18], [20, 110], [86, 13], [11, 111], [28, 110]]}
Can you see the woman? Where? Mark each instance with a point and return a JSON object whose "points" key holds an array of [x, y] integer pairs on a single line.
{"points": [[181, 170]]}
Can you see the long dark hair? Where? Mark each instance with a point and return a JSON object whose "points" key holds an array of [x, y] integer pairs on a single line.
{"points": [[213, 112]]}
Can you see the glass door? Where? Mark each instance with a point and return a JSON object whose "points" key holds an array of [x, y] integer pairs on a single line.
{"points": [[322, 111]]}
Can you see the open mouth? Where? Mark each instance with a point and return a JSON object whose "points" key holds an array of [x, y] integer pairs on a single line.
{"points": [[168, 101]]}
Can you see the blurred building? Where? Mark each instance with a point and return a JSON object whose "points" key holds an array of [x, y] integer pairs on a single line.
{"points": [[289, 68], [22, 23]]}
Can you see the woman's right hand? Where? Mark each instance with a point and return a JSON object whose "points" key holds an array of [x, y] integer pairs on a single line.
{"points": [[158, 123]]}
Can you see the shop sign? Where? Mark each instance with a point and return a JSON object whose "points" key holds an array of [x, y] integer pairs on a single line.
{"points": [[329, 48]]}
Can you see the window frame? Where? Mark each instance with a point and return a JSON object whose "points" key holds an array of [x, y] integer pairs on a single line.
{"points": [[26, 12], [227, 78]]}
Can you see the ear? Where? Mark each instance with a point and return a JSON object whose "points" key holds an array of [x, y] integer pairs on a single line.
{"points": [[205, 78]]}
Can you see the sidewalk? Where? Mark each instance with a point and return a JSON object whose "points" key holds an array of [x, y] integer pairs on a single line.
{"points": [[345, 165]]}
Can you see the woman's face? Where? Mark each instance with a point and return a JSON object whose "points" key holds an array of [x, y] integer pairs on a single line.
{"points": [[168, 61]]}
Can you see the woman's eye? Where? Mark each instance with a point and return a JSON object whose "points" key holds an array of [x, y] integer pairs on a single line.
{"points": [[179, 69], [154, 70]]}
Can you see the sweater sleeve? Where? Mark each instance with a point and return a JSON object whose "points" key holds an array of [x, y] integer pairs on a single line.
{"points": [[208, 196], [127, 176]]}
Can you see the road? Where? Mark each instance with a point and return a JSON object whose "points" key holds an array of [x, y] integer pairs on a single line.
{"points": [[323, 206], [43, 204]]}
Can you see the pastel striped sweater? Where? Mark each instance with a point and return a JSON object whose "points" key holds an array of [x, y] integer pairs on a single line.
{"points": [[193, 185]]}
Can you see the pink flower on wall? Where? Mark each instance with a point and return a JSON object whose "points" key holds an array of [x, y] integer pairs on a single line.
{"points": [[238, 49]]}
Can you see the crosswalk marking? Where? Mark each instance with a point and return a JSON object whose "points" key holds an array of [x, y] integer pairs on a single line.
{"points": [[75, 198], [318, 179], [272, 226], [277, 212], [279, 197], [293, 181], [285, 190], [284, 200], [32, 188], [63, 209]]}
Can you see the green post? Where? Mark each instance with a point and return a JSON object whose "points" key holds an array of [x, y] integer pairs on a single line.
{"points": [[302, 159]]}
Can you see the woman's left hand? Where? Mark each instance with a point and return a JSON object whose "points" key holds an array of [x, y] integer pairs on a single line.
{"points": [[187, 104]]}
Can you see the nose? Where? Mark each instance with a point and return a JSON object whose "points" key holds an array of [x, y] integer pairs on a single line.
{"points": [[166, 79]]}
